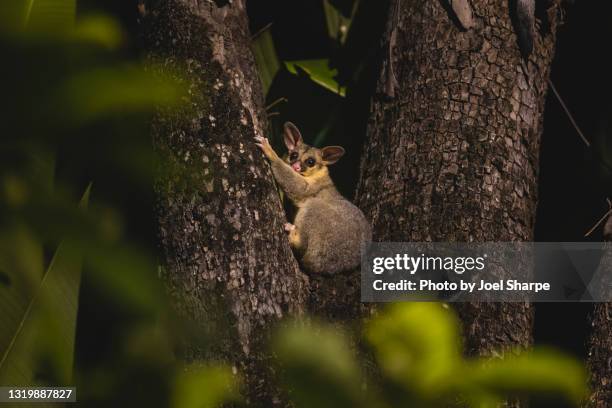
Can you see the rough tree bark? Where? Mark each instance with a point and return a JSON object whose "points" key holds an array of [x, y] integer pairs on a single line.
{"points": [[226, 260], [600, 343], [453, 141]]}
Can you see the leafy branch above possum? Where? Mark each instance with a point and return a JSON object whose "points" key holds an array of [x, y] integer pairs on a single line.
{"points": [[328, 230]]}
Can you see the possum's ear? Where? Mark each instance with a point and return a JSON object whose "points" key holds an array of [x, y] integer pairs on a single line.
{"points": [[292, 136], [331, 154]]}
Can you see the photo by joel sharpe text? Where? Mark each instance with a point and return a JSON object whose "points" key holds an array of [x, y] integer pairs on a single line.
{"points": [[470, 287]]}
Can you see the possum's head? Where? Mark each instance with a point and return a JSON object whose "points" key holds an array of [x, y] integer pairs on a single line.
{"points": [[307, 160]]}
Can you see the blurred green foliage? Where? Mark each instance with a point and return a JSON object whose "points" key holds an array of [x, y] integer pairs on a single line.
{"points": [[204, 387], [75, 111], [417, 348], [32, 304]]}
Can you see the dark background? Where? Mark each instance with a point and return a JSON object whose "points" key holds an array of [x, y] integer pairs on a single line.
{"points": [[574, 180]]}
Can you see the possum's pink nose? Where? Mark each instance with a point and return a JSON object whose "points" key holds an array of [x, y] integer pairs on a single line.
{"points": [[296, 166]]}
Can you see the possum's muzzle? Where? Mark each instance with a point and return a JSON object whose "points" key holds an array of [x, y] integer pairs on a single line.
{"points": [[296, 166]]}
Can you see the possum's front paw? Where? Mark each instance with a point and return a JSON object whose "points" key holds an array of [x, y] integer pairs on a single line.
{"points": [[265, 147], [289, 227]]}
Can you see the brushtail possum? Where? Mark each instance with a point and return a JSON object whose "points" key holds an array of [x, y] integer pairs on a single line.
{"points": [[328, 230]]}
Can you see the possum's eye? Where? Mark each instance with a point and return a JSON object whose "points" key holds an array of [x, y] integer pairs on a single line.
{"points": [[310, 162], [293, 156]]}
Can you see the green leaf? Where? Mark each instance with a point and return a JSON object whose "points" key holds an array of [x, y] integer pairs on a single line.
{"points": [[204, 387], [319, 72], [265, 57], [418, 348], [537, 372], [325, 375], [338, 24], [50, 14], [417, 345], [21, 266], [12, 15], [99, 30], [102, 92], [38, 318]]}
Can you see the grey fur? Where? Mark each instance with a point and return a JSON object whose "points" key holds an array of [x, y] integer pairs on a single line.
{"points": [[333, 231]]}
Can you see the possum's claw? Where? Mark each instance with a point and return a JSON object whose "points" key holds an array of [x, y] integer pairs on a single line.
{"points": [[265, 147]]}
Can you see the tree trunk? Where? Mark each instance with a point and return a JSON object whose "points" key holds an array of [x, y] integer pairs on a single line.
{"points": [[225, 258], [452, 150], [600, 343]]}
